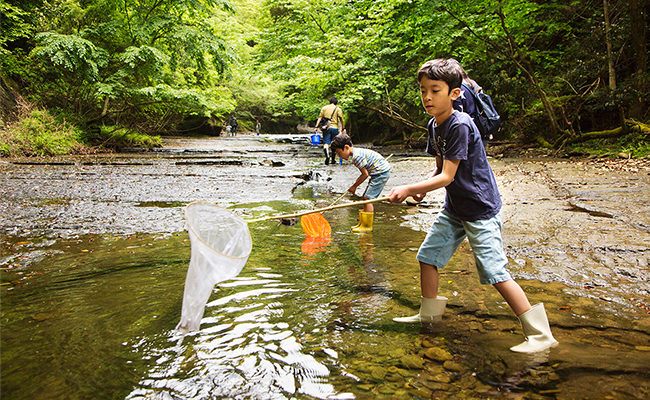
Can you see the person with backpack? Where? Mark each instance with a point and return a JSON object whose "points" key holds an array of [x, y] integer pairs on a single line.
{"points": [[478, 105], [233, 124], [329, 121], [472, 209]]}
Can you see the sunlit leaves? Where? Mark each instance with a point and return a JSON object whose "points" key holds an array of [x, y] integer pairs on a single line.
{"points": [[14, 24], [72, 54], [217, 101], [146, 59]]}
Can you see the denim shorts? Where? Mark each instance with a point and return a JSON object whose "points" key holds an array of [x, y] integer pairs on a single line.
{"points": [[448, 232], [329, 134], [376, 185]]}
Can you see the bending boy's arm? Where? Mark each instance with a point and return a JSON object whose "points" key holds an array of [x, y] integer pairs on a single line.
{"points": [[444, 178], [438, 169], [359, 181]]}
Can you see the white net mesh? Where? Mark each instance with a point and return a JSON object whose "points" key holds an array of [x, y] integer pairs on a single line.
{"points": [[221, 244]]}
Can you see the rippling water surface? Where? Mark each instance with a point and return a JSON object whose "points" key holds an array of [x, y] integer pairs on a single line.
{"points": [[92, 316]]}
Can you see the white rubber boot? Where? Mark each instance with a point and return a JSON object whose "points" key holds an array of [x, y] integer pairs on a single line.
{"points": [[537, 331], [431, 310]]}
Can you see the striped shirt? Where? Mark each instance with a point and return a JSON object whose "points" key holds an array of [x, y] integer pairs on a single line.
{"points": [[374, 162]]}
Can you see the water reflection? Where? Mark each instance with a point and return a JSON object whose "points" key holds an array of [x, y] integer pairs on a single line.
{"points": [[312, 245], [303, 320], [244, 348]]}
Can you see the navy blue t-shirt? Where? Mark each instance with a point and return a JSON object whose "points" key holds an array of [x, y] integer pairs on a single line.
{"points": [[473, 194]]}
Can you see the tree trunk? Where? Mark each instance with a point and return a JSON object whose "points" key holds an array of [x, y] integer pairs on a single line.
{"points": [[608, 40], [523, 62], [638, 32], [630, 126], [516, 54]]}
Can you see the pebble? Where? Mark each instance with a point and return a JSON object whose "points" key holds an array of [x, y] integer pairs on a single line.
{"points": [[438, 354]]}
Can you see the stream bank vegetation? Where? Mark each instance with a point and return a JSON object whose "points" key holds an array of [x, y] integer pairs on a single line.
{"points": [[568, 76]]}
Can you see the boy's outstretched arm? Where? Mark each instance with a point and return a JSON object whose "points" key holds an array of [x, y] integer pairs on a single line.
{"points": [[417, 190], [364, 175]]}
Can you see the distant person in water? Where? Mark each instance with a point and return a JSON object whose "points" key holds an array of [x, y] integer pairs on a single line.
{"points": [[334, 115], [233, 124]]}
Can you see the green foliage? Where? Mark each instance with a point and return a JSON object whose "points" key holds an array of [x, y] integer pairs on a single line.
{"points": [[71, 54], [635, 145], [367, 52], [117, 137], [39, 134], [151, 63], [155, 65], [204, 102], [14, 25], [144, 61]]}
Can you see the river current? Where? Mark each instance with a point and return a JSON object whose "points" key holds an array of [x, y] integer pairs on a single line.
{"points": [[95, 254]]}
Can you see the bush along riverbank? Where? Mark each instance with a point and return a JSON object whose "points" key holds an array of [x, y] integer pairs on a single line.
{"points": [[39, 133]]}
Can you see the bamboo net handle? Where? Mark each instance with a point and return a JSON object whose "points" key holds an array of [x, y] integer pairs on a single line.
{"points": [[339, 199], [319, 210]]}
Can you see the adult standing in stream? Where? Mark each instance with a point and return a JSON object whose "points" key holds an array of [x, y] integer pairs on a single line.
{"points": [[233, 125], [333, 115]]}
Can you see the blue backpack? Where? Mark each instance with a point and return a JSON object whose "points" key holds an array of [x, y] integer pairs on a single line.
{"points": [[487, 118]]}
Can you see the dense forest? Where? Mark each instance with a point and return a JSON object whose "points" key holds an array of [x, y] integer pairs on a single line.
{"points": [[91, 74]]}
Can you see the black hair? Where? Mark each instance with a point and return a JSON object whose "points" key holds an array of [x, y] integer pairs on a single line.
{"points": [[466, 79], [334, 100], [340, 141], [441, 69]]}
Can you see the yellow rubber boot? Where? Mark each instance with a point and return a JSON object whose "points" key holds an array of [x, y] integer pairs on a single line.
{"points": [[359, 224], [365, 222]]}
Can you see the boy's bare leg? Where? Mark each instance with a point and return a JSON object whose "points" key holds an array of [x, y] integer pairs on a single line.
{"points": [[368, 207], [514, 296], [429, 280]]}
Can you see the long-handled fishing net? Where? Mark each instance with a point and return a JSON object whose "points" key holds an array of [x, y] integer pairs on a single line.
{"points": [[221, 244], [315, 225], [319, 210]]}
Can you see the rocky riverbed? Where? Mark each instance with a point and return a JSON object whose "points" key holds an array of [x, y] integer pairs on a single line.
{"points": [[577, 233]]}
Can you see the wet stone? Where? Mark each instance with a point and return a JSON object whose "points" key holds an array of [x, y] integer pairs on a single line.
{"points": [[467, 382], [476, 326], [453, 366], [378, 372], [442, 378], [384, 389], [412, 362], [438, 354], [432, 342], [422, 392], [438, 386]]}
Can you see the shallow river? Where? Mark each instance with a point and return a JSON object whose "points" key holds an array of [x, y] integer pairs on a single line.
{"points": [[95, 254]]}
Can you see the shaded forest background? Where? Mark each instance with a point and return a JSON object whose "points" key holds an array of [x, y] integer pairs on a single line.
{"points": [[88, 75]]}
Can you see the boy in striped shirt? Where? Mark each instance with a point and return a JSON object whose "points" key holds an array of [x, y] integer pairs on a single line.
{"points": [[371, 164]]}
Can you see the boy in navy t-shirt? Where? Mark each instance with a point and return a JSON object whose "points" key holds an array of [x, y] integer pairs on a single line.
{"points": [[472, 208]]}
